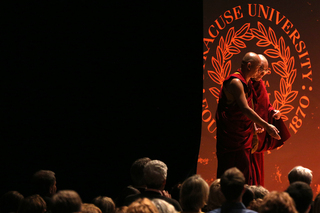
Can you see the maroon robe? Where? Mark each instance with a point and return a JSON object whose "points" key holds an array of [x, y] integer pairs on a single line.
{"points": [[265, 110], [234, 132]]}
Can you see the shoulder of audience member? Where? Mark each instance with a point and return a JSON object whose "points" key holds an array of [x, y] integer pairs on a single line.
{"points": [[218, 210], [129, 199]]}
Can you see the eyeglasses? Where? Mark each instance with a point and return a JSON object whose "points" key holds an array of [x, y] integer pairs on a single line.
{"points": [[268, 70]]}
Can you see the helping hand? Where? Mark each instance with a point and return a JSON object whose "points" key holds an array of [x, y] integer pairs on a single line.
{"points": [[277, 114], [258, 129], [273, 131]]}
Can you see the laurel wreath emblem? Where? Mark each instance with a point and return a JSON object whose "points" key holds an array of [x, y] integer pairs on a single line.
{"points": [[232, 45]]}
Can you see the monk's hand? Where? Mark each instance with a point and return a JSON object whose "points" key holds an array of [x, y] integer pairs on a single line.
{"points": [[259, 130], [277, 114], [273, 131]]}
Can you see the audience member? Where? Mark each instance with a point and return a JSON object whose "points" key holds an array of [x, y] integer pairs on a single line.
{"points": [[44, 183], [232, 186], [302, 195], [300, 173], [277, 202], [122, 209], [142, 205], [255, 204], [194, 194], [175, 191], [137, 175], [90, 208], [163, 206], [316, 204], [66, 201], [105, 204], [32, 204], [259, 191], [216, 198], [248, 196], [139, 185], [10, 202], [155, 176], [227, 194]]}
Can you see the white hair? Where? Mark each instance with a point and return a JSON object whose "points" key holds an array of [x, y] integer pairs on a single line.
{"points": [[155, 173], [163, 206]]}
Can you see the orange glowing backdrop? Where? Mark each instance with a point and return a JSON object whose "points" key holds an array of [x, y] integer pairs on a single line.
{"points": [[287, 34]]}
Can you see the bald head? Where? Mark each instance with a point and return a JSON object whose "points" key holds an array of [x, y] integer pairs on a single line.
{"points": [[251, 57], [251, 63], [264, 61]]}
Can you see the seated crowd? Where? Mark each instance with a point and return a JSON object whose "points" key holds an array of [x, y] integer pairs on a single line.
{"points": [[147, 195]]}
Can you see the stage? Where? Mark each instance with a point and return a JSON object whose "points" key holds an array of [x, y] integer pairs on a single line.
{"points": [[285, 33]]}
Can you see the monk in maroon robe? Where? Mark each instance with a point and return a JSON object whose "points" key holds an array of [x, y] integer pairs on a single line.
{"points": [[235, 119], [265, 110]]}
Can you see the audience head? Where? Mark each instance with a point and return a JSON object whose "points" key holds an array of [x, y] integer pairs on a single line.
{"points": [[255, 204], [163, 206], [10, 201], [90, 208], [105, 204], [143, 205], [136, 171], [277, 202], [121, 209], [33, 204], [316, 204], [194, 193], [216, 198], [232, 184], [302, 195], [66, 201], [247, 196], [155, 174], [44, 183], [258, 191], [300, 173]]}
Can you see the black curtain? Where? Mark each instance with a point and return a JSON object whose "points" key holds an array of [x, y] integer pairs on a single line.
{"points": [[87, 88]]}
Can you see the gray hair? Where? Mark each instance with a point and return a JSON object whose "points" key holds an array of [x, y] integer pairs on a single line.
{"points": [[163, 206], [300, 173], [155, 173]]}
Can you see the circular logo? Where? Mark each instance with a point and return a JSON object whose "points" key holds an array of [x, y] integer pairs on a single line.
{"points": [[261, 29]]}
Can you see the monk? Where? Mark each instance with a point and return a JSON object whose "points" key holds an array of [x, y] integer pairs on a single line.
{"points": [[235, 119], [265, 110]]}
